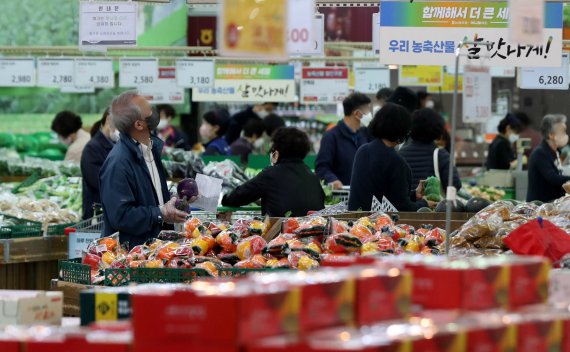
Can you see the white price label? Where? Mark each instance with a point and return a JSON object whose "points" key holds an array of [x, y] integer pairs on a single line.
{"points": [[18, 72], [376, 33], [138, 72], [96, 73], [108, 23], [371, 79], [308, 41], [476, 94], [55, 72], [545, 77], [324, 85], [194, 73], [79, 241]]}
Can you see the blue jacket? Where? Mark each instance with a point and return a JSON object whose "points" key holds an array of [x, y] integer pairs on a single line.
{"points": [[420, 158], [218, 146], [92, 158], [130, 204], [545, 179], [380, 171], [336, 155]]}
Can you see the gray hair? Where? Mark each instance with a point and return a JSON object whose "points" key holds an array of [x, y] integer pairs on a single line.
{"points": [[548, 123], [124, 113]]}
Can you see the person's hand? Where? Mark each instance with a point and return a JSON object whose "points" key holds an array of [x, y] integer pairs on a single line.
{"points": [[431, 204], [420, 189], [172, 215], [566, 187], [336, 185]]}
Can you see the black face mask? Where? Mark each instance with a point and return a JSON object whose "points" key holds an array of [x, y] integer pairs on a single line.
{"points": [[153, 120]]}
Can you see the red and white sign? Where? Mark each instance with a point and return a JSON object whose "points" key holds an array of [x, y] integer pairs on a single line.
{"points": [[476, 94], [165, 90], [324, 85]]}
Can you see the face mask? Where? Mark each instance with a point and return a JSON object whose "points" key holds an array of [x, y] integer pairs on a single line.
{"points": [[375, 109], [162, 124], [258, 143], [561, 140], [115, 136], [430, 104], [365, 120], [513, 138], [153, 120], [263, 114], [206, 132]]}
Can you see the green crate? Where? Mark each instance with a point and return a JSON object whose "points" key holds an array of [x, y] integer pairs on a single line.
{"points": [[169, 275], [258, 162], [58, 230], [73, 271], [22, 229], [117, 277]]}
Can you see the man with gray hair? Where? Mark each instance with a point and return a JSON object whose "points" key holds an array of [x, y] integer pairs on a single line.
{"points": [[136, 201], [545, 179]]}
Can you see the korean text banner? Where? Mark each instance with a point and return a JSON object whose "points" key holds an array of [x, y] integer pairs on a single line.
{"points": [[427, 33], [250, 83]]}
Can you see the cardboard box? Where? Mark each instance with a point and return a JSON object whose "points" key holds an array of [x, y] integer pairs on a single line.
{"points": [[30, 307], [105, 304]]}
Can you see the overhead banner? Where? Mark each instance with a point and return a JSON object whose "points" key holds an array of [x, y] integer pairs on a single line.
{"points": [[428, 33], [420, 76], [476, 94], [324, 85], [250, 83]]}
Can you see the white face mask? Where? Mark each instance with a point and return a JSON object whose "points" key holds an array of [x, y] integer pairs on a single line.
{"points": [[513, 138], [115, 136], [430, 104], [162, 124], [258, 143], [365, 120], [375, 109], [262, 114], [206, 133]]}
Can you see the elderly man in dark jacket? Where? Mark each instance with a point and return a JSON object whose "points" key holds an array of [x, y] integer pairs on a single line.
{"points": [[136, 201]]}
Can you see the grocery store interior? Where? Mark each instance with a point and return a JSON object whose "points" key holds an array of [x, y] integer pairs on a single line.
{"points": [[277, 175]]}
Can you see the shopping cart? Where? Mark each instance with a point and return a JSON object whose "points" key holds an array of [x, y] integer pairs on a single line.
{"points": [[85, 232]]}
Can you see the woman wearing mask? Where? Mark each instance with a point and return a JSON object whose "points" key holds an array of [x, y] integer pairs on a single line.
{"points": [[288, 186], [67, 125], [379, 170], [545, 179], [501, 155], [103, 137], [212, 130]]}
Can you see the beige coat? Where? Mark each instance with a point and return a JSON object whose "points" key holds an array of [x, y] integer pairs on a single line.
{"points": [[76, 148]]}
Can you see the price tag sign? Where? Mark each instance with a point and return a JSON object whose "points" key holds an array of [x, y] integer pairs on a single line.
{"points": [[79, 241], [164, 90], [96, 73], [108, 23], [55, 72], [527, 21], [476, 94], [138, 72], [18, 72], [545, 77], [300, 27], [371, 79], [194, 73], [324, 86]]}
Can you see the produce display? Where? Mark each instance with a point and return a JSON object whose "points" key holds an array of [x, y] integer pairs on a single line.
{"points": [[12, 165], [44, 211], [62, 190], [489, 193]]}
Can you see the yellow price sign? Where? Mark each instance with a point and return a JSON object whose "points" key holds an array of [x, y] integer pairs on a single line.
{"points": [[420, 76], [448, 85], [253, 28]]}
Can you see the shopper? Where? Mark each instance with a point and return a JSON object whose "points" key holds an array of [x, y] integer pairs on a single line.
{"points": [[545, 179], [171, 135], [501, 155], [67, 125], [104, 136], [259, 111], [136, 201], [252, 139], [444, 141], [379, 170], [214, 126], [425, 100], [527, 131], [423, 155], [288, 187], [272, 123], [339, 144], [404, 97], [382, 96]]}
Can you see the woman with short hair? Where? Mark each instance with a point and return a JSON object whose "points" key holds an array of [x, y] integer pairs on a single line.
{"points": [[67, 125]]}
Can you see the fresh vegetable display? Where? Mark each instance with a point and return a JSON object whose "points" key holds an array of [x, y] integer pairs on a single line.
{"points": [[12, 165], [62, 190], [432, 189], [489, 193], [44, 211]]}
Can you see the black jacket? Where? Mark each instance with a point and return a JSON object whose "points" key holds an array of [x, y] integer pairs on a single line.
{"points": [[419, 157], [289, 186], [380, 171], [92, 158], [500, 154], [130, 204], [237, 122], [545, 180], [336, 155]]}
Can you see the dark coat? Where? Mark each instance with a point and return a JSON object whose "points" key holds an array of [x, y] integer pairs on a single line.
{"points": [[419, 157], [217, 146], [130, 204], [500, 154], [336, 155], [237, 122], [380, 171], [243, 148], [289, 186], [545, 180], [92, 158]]}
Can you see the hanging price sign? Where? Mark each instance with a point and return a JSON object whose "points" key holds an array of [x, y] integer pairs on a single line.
{"points": [[165, 90], [96, 73], [300, 39], [545, 77], [18, 72], [138, 72], [371, 79], [324, 85], [55, 72], [194, 73], [476, 94]]}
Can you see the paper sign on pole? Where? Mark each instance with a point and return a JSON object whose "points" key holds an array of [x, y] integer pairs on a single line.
{"points": [[94, 72], [324, 85], [108, 23], [164, 90], [138, 72], [376, 33], [428, 33], [420, 76], [55, 72], [545, 77], [476, 94], [527, 21], [253, 28], [194, 73], [371, 79], [18, 72]]}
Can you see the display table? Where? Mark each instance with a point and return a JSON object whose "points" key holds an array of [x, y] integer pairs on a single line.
{"points": [[30, 263]]}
